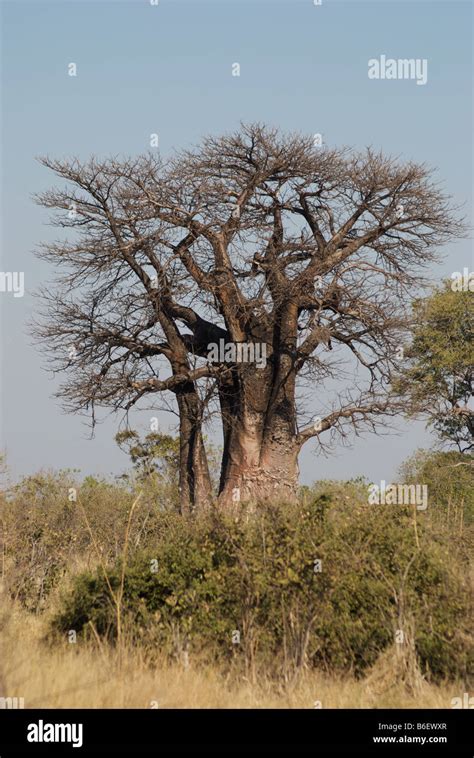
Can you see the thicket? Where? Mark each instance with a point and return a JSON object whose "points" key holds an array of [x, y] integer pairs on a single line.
{"points": [[329, 583]]}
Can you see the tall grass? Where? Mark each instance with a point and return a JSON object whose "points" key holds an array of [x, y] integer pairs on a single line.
{"points": [[87, 676]]}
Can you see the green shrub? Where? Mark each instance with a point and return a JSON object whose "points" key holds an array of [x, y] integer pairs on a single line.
{"points": [[206, 579], [450, 478]]}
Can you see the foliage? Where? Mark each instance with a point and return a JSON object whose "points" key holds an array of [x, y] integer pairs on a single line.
{"points": [[244, 589], [451, 486], [247, 590], [155, 458], [157, 455], [43, 529], [439, 381]]}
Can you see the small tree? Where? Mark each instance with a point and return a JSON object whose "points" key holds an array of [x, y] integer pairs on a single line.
{"points": [[156, 454], [439, 381]]}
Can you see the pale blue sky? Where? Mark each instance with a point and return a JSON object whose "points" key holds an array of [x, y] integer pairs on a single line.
{"points": [[167, 69]]}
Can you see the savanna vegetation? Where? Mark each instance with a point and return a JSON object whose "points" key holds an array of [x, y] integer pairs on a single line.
{"points": [[210, 577], [274, 607]]}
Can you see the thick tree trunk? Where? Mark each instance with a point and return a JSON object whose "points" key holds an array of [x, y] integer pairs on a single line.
{"points": [[260, 456], [260, 460], [259, 469]]}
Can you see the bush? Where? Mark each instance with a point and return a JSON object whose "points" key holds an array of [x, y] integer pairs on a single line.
{"points": [[324, 584], [450, 478], [44, 535]]}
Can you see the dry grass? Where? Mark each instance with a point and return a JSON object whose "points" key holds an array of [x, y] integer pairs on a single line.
{"points": [[79, 676]]}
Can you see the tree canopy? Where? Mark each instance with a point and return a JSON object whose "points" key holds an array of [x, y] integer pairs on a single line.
{"points": [[439, 380], [254, 237]]}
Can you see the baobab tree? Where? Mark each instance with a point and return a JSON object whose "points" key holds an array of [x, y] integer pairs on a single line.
{"points": [[252, 239]]}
